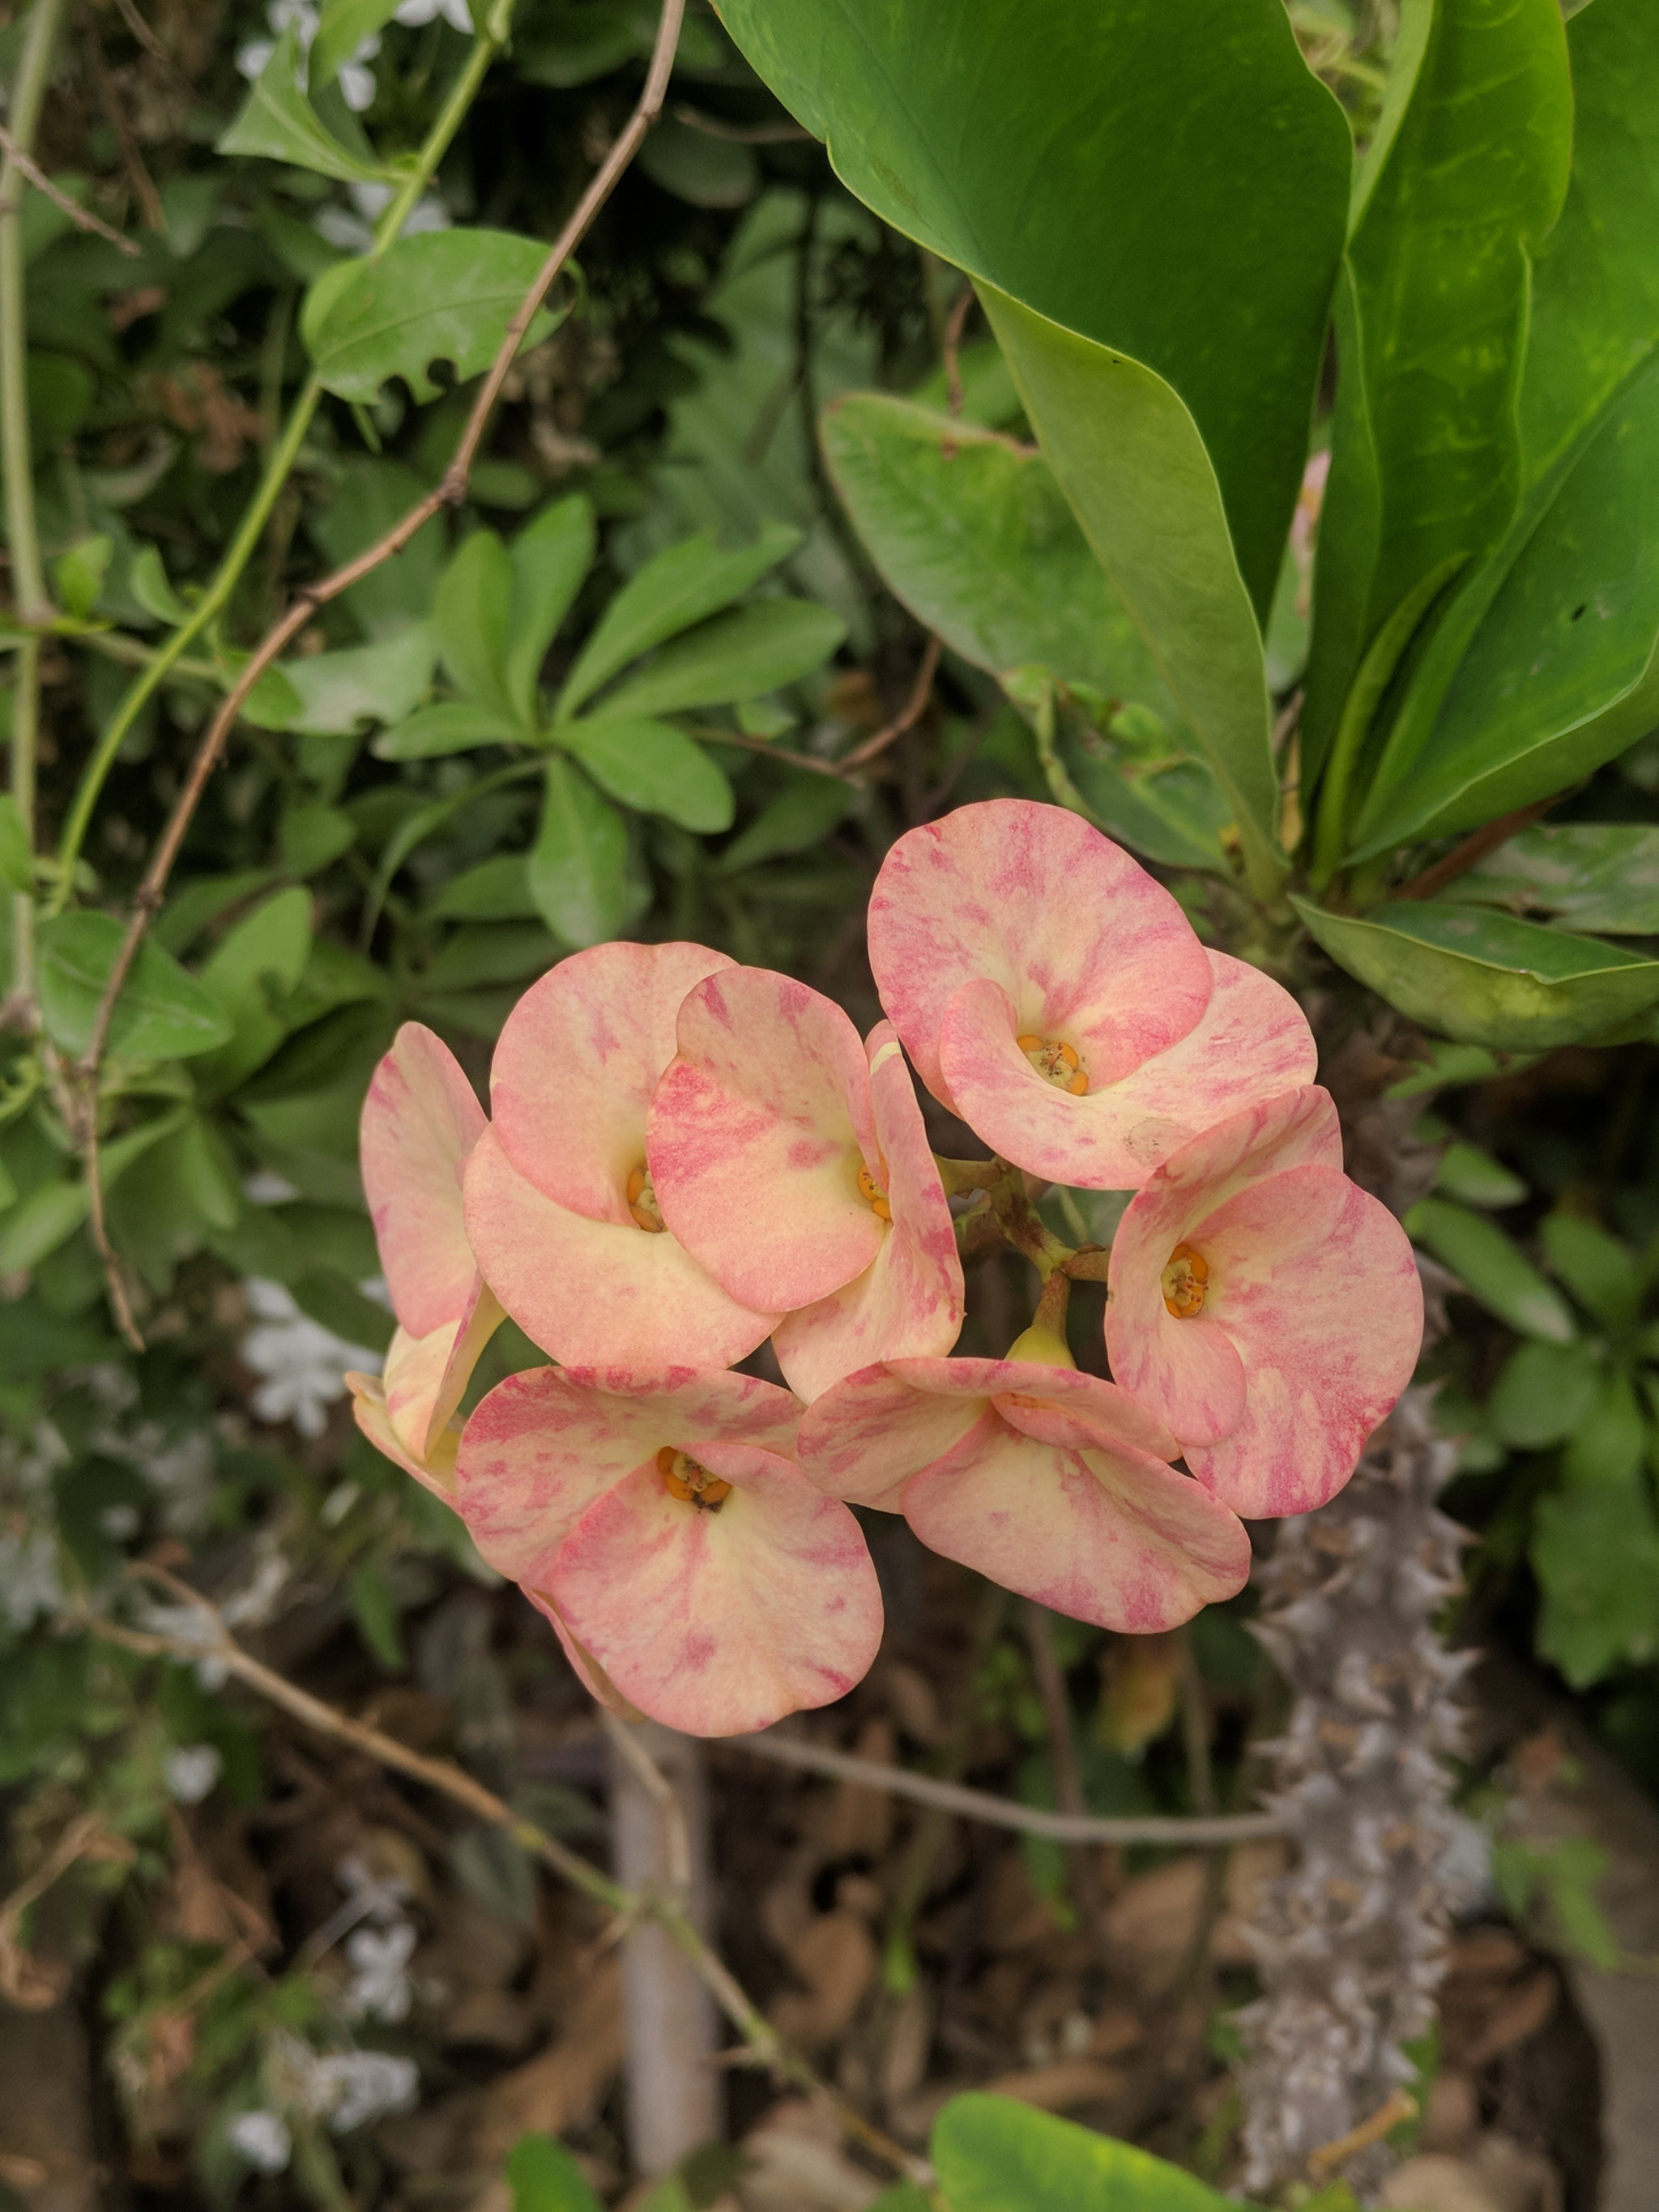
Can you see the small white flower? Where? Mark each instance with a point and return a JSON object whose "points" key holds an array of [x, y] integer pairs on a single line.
{"points": [[263, 2139], [355, 2087], [265, 1187], [380, 1961], [357, 79], [304, 1365], [456, 13], [191, 1770], [30, 1583]]}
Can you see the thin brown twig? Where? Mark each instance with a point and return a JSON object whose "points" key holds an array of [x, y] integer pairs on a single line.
{"points": [[142, 184], [912, 712], [835, 769], [1473, 849], [147, 37], [449, 493], [82, 217], [762, 2044], [750, 134], [663, 1794]]}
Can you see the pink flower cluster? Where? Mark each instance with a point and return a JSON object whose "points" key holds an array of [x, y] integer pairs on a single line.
{"points": [[685, 1156]]}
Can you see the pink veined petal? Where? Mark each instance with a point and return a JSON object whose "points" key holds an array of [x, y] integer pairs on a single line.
{"points": [[1251, 1044], [577, 1061], [1113, 1537], [756, 1135], [1058, 1406], [436, 1472], [910, 1302], [1314, 1282], [544, 1445], [589, 1291], [720, 1622], [583, 1665], [865, 1436], [420, 1122], [1031, 897]]}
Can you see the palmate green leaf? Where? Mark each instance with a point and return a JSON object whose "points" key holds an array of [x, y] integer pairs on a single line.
{"points": [[736, 656], [278, 121], [1483, 978], [162, 1013], [1466, 173], [682, 586], [439, 295], [577, 866], [1543, 666], [551, 556], [653, 767], [1492, 1269], [992, 2154], [472, 614], [1596, 1553], [970, 529], [1149, 197], [1600, 876]]}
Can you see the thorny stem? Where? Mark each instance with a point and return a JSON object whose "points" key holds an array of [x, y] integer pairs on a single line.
{"points": [[762, 2044], [29, 579], [283, 454]]}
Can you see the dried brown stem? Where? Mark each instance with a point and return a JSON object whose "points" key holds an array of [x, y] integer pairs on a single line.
{"points": [[77, 215], [749, 134], [912, 712], [1472, 850]]}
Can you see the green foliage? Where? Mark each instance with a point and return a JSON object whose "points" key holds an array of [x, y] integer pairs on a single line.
{"points": [[994, 2155], [544, 2178], [278, 121]]}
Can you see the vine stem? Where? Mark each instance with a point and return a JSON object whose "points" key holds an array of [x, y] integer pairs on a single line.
{"points": [[28, 578], [278, 467], [762, 2044]]}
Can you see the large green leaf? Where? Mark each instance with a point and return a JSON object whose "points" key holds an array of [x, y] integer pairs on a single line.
{"points": [[652, 766], [551, 556], [472, 615], [1485, 978], [332, 693], [578, 862], [278, 121], [682, 586], [1543, 665], [544, 2177], [1596, 875], [737, 656], [1163, 177], [1467, 174], [994, 2155], [970, 529], [254, 966], [439, 295], [1596, 1553], [343, 26], [162, 1013], [1492, 1269], [451, 725]]}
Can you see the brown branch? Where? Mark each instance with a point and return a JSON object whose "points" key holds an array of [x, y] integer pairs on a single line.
{"points": [[1472, 850], [77, 215], [146, 37], [914, 708], [449, 493], [762, 2044], [752, 134], [835, 769]]}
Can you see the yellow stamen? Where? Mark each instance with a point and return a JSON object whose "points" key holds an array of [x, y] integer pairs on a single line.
{"points": [[873, 1195], [1185, 1282], [642, 1202], [1056, 1062], [692, 1484]]}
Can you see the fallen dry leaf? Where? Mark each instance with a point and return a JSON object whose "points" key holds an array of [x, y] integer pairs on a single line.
{"points": [[1517, 2015], [565, 2085], [796, 2164], [835, 1956], [858, 1822], [1140, 1689]]}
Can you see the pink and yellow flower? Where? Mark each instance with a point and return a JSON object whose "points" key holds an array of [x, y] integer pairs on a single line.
{"points": [[560, 1205], [420, 1122], [1056, 998], [1050, 1482], [1264, 1306], [790, 1159], [663, 1519]]}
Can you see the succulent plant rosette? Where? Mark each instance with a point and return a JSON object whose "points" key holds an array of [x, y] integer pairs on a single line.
{"points": [[685, 1157]]}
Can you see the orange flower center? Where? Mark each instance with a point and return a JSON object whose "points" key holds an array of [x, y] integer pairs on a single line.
{"points": [[642, 1202], [1185, 1282], [692, 1484], [1056, 1062], [873, 1195]]}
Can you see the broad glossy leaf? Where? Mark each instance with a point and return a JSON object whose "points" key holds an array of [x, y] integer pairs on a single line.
{"points": [[551, 556], [278, 121], [1600, 1272], [1485, 978], [1601, 876], [682, 586], [452, 726], [736, 656], [330, 694], [1596, 1553], [162, 1013], [972, 533], [1492, 1269], [653, 767], [1472, 731], [578, 862], [472, 614], [1467, 172], [1163, 177], [439, 295], [803, 813], [1543, 1394], [1121, 768], [994, 2155]]}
